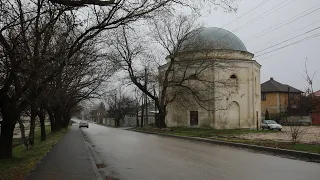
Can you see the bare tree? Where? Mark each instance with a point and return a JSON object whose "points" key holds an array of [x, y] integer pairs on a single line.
{"points": [[120, 105], [301, 106], [182, 78], [39, 39]]}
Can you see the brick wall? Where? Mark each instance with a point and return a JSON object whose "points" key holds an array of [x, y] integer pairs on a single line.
{"points": [[284, 99], [270, 103]]}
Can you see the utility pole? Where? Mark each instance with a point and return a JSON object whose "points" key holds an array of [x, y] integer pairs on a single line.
{"points": [[288, 107], [146, 97], [155, 107], [137, 107], [115, 108]]}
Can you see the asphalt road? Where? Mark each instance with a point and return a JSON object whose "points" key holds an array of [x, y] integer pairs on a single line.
{"points": [[135, 156]]}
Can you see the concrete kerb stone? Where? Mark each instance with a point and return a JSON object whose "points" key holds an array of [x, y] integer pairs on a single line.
{"points": [[94, 166], [313, 157]]}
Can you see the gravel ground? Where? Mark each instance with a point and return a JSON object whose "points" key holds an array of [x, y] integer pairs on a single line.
{"points": [[311, 135]]}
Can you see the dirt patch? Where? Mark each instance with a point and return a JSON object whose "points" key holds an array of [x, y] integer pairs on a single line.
{"points": [[311, 136]]}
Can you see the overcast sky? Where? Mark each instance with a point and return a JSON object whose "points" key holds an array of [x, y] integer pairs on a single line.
{"points": [[285, 65]]}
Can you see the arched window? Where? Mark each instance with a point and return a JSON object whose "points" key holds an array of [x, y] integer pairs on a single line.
{"points": [[233, 76], [234, 83]]}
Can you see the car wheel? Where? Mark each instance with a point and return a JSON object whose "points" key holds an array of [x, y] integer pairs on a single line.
{"points": [[279, 129], [269, 128]]}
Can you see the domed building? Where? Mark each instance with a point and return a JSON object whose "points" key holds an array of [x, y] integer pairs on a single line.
{"points": [[214, 82]]}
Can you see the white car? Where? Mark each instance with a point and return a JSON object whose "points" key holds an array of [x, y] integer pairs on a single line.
{"points": [[271, 125], [83, 124]]}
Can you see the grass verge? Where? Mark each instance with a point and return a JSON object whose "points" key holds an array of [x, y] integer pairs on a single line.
{"points": [[229, 135], [202, 132], [311, 148], [24, 159]]}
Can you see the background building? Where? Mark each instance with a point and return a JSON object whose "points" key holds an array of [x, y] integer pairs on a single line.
{"points": [[275, 97]]}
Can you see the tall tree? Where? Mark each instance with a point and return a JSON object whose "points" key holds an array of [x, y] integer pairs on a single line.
{"points": [[177, 79], [38, 39]]}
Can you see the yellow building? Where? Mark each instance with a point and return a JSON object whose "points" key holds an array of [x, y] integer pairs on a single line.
{"points": [[275, 96]]}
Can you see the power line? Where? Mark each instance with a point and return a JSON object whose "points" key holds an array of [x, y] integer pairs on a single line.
{"points": [[272, 55], [252, 9], [288, 39], [291, 44], [265, 14], [282, 36], [286, 22], [281, 25]]}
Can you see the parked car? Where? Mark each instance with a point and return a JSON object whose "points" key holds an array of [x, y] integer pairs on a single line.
{"points": [[271, 125], [83, 124]]}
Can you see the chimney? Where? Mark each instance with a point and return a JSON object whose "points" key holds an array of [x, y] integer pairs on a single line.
{"points": [[271, 78]]}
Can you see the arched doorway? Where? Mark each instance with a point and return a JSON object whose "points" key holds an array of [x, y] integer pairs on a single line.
{"points": [[234, 115]]}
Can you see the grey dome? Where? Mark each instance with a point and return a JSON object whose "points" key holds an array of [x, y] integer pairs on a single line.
{"points": [[212, 38]]}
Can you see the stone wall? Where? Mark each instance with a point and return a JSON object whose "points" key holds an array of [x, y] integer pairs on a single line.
{"points": [[230, 107]]}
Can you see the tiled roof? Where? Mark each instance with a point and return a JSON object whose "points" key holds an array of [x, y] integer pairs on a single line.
{"points": [[274, 86]]}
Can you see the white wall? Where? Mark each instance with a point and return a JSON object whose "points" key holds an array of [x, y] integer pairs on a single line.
{"points": [[217, 113]]}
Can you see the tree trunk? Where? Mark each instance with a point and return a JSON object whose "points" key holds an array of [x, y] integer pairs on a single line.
{"points": [[142, 113], [162, 119], [7, 128], [58, 118], [23, 134], [117, 121], [32, 125], [9, 115], [66, 119], [42, 115], [137, 118], [52, 121]]}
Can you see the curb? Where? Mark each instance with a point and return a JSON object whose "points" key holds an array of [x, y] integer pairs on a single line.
{"points": [[313, 157], [95, 169]]}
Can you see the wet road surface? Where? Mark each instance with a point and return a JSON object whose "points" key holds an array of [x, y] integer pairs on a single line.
{"points": [[135, 156]]}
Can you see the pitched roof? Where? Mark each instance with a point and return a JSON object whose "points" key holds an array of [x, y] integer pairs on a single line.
{"points": [[274, 86], [317, 93]]}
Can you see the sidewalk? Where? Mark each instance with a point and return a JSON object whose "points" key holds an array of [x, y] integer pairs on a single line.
{"points": [[68, 160]]}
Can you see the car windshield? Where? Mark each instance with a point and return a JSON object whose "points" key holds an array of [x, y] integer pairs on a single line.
{"points": [[271, 122]]}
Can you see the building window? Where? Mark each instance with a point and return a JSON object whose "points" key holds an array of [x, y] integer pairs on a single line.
{"points": [[263, 96], [291, 96], [233, 76], [234, 83]]}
